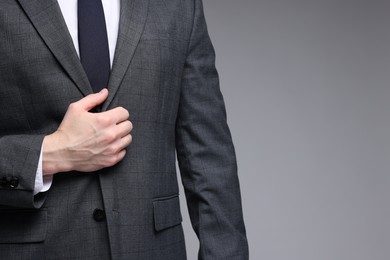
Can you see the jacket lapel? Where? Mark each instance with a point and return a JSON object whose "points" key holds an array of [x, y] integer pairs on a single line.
{"points": [[47, 18], [131, 24]]}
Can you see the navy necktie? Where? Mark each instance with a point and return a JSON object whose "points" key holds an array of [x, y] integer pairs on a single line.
{"points": [[93, 43]]}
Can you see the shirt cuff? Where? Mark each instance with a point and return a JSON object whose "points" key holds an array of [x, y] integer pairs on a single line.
{"points": [[42, 183]]}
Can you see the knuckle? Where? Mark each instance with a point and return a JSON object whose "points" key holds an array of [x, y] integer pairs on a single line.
{"points": [[110, 150], [104, 120], [116, 158], [124, 111], [72, 106], [109, 137], [110, 161], [114, 149]]}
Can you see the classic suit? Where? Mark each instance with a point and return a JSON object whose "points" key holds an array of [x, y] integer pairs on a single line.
{"points": [[163, 73]]}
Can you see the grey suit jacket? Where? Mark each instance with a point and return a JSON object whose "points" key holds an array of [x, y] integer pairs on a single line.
{"points": [[164, 74]]}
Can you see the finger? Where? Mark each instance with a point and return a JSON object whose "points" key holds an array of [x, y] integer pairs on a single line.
{"points": [[121, 155], [118, 114], [122, 129], [114, 159], [93, 100], [124, 142], [118, 146], [125, 128]]}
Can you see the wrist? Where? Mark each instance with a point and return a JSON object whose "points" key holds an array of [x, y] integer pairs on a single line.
{"points": [[53, 156]]}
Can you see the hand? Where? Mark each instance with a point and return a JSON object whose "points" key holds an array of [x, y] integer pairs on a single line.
{"points": [[87, 141]]}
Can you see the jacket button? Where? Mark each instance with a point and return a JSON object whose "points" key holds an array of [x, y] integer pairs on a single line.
{"points": [[99, 215], [13, 183]]}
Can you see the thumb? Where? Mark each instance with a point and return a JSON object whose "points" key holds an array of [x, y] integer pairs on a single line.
{"points": [[93, 100]]}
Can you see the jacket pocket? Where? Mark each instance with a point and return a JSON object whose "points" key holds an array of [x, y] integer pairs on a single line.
{"points": [[166, 212], [19, 226]]}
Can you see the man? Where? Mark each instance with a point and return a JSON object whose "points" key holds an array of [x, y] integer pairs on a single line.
{"points": [[87, 170]]}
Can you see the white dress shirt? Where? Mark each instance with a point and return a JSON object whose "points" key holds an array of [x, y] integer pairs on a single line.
{"points": [[69, 12]]}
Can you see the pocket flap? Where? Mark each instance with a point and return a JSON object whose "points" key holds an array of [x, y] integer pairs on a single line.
{"points": [[22, 226], [166, 212]]}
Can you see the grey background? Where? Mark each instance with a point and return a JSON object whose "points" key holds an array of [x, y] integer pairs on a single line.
{"points": [[306, 85]]}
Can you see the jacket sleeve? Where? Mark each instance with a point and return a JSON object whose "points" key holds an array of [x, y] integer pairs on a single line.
{"points": [[19, 157], [206, 153]]}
